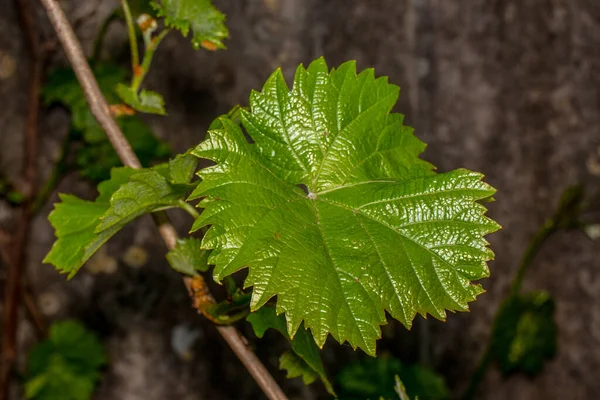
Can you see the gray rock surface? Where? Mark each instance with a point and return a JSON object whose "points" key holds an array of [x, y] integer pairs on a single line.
{"points": [[507, 87]]}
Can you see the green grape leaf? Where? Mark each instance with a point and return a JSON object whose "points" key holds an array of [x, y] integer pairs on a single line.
{"points": [[82, 227], [524, 333], [331, 198], [372, 378], [147, 191], [182, 168], [145, 101], [187, 257], [303, 344], [75, 222], [207, 23], [297, 368], [66, 365]]}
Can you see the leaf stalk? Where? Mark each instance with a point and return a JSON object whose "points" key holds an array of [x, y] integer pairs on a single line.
{"points": [[135, 54], [140, 73]]}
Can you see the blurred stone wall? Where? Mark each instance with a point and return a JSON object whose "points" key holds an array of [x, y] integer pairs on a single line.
{"points": [[507, 87]]}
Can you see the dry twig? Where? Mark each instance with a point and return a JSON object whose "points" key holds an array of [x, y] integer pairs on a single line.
{"points": [[15, 252]]}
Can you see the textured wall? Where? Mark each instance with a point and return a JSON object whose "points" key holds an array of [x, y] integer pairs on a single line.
{"points": [[507, 87]]}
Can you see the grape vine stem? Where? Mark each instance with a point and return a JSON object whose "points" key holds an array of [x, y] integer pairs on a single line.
{"points": [[101, 111]]}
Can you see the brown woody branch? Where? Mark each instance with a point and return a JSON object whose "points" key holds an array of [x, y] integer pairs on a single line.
{"points": [[101, 111], [14, 252]]}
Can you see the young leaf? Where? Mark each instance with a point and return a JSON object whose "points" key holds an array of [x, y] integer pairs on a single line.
{"points": [[9, 193], [198, 15], [75, 222], [145, 101], [182, 168], [66, 365], [297, 367], [147, 191], [331, 198], [372, 378], [524, 335], [83, 226], [303, 344], [187, 257]]}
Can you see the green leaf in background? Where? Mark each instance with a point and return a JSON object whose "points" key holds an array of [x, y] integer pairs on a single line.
{"points": [[147, 191], [524, 334], [332, 198], [9, 193], [66, 366], [96, 157], [75, 222], [206, 22], [145, 101], [187, 257], [303, 345], [373, 378], [62, 87], [82, 227], [182, 168], [296, 367]]}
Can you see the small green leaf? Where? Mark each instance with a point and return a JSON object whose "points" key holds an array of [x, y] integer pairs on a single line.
{"points": [[9, 193], [15, 197], [303, 344], [182, 168], [66, 366], [376, 377], [187, 257], [147, 191], [200, 16], [331, 197], [75, 222], [82, 227], [524, 334], [296, 367], [145, 101]]}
